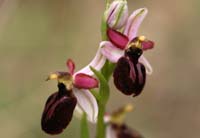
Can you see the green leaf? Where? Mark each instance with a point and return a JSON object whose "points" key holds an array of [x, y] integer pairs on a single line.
{"points": [[104, 90], [84, 127]]}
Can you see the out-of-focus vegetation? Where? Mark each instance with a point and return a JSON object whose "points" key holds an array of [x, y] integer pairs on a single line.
{"points": [[36, 37]]}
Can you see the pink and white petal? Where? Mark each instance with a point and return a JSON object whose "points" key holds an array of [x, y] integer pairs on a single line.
{"points": [[109, 13], [84, 81], [111, 52], [117, 14], [87, 103], [134, 22], [97, 63], [110, 132], [71, 66], [147, 44], [147, 65], [78, 112], [117, 38]]}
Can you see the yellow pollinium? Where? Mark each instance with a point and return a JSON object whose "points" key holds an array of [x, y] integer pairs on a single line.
{"points": [[52, 76], [142, 38]]}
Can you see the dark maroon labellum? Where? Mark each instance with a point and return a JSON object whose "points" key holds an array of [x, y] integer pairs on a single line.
{"points": [[122, 131], [130, 75], [58, 110]]}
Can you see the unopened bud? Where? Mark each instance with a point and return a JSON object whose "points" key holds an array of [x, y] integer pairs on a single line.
{"points": [[117, 14]]}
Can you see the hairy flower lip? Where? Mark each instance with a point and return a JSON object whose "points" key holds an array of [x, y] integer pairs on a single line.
{"points": [[59, 106], [131, 72]]}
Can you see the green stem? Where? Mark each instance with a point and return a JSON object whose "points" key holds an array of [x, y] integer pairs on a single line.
{"points": [[84, 127], [104, 96], [104, 91], [101, 127]]}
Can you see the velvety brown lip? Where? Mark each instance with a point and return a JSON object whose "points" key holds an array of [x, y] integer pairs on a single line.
{"points": [[58, 110]]}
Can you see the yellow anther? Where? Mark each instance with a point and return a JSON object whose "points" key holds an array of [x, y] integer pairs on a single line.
{"points": [[52, 76], [141, 38], [128, 108]]}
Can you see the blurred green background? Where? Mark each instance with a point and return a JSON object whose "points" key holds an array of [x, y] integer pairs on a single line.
{"points": [[37, 36]]}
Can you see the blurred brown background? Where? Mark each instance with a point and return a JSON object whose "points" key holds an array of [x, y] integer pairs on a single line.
{"points": [[37, 36]]}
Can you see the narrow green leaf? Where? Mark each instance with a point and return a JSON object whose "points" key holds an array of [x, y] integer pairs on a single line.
{"points": [[84, 127]]}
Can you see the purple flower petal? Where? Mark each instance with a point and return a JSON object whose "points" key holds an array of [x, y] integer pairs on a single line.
{"points": [[85, 81], [147, 44], [134, 22], [71, 66], [111, 52], [117, 38]]}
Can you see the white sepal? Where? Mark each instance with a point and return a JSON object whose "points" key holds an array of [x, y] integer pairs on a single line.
{"points": [[87, 103]]}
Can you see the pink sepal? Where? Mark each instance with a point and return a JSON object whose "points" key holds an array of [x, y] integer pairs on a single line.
{"points": [[84, 81], [147, 44], [117, 38], [134, 22], [71, 66], [111, 52]]}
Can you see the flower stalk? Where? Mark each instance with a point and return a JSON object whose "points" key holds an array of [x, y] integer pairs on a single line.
{"points": [[84, 127], [104, 92]]}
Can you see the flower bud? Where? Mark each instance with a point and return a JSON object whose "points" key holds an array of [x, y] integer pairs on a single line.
{"points": [[117, 14], [58, 110]]}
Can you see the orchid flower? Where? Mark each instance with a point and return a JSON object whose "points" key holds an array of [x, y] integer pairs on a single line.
{"points": [[116, 128], [119, 42], [72, 92], [121, 131]]}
